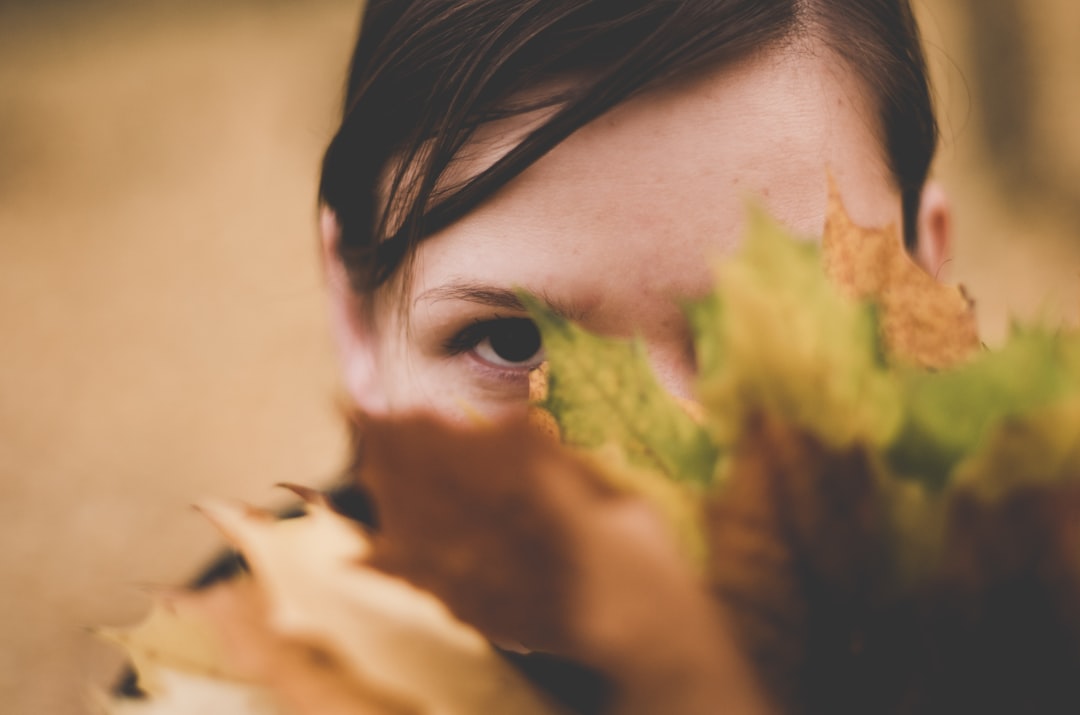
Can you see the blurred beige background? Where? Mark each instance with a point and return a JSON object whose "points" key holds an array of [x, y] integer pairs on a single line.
{"points": [[160, 299], [1007, 75], [160, 302]]}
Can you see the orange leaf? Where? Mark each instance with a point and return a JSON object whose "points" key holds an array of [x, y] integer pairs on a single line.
{"points": [[922, 321]]}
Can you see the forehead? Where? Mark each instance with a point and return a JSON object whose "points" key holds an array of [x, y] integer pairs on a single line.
{"points": [[637, 201]]}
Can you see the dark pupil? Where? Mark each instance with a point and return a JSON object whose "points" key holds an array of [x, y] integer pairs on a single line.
{"points": [[515, 340]]}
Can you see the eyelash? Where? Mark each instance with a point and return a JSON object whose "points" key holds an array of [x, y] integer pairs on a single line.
{"points": [[472, 335], [468, 338]]}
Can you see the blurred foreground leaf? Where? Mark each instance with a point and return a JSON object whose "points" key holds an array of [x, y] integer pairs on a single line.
{"points": [[313, 630], [602, 392]]}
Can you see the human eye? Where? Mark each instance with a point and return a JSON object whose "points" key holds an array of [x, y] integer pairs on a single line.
{"points": [[510, 345]]}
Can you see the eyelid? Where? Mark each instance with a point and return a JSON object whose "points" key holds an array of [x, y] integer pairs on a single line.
{"points": [[467, 341], [468, 337]]}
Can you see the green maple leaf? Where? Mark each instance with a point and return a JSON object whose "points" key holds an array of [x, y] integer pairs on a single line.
{"points": [[602, 392], [950, 415], [1042, 447], [777, 337]]}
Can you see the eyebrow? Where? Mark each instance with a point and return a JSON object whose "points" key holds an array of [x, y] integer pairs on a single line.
{"points": [[492, 296]]}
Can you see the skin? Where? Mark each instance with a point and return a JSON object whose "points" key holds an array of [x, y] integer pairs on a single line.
{"points": [[619, 224]]}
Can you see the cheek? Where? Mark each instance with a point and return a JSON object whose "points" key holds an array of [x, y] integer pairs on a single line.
{"points": [[417, 378], [416, 385]]}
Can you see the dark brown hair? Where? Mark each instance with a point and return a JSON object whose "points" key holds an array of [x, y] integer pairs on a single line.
{"points": [[426, 73]]}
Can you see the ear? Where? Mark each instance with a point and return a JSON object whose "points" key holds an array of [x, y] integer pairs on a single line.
{"points": [[935, 230], [353, 332]]}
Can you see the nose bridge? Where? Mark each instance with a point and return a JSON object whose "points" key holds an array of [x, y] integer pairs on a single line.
{"points": [[673, 363]]}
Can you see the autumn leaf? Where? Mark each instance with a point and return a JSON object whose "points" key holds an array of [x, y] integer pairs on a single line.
{"points": [[777, 337], [1041, 448], [1000, 618], [261, 671], [677, 502], [949, 414], [185, 693], [534, 545], [800, 555], [183, 664], [602, 391], [804, 556], [172, 637], [923, 322], [321, 633]]}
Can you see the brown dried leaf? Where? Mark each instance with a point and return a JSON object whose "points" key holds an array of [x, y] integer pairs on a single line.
{"points": [[799, 557], [462, 513], [1001, 619], [922, 321], [533, 544], [802, 559]]}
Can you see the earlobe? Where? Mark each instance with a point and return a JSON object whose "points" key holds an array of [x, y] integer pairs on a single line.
{"points": [[353, 333], [935, 230]]}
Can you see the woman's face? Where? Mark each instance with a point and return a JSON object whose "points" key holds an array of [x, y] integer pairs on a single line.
{"points": [[616, 227]]}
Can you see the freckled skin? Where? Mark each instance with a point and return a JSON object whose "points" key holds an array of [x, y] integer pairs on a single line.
{"points": [[619, 223]]}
